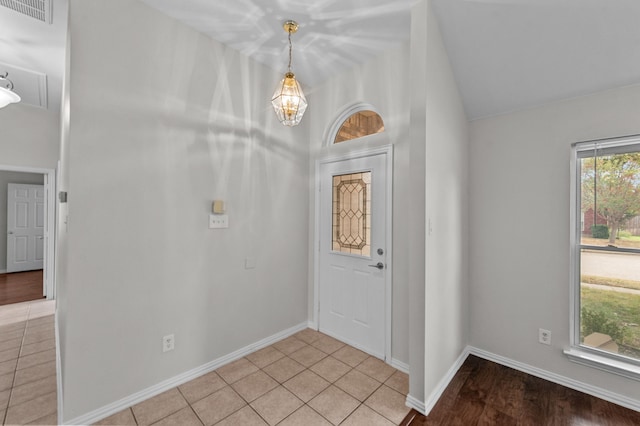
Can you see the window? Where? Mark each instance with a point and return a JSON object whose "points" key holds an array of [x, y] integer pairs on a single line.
{"points": [[359, 124], [606, 254]]}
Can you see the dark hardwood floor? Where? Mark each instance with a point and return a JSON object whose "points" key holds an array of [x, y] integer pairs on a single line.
{"points": [[20, 287], [485, 393]]}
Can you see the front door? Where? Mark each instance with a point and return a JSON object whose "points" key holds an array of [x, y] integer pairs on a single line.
{"points": [[25, 227], [353, 237]]}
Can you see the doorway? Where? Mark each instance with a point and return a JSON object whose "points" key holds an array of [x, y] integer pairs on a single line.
{"points": [[27, 213], [25, 227], [353, 263]]}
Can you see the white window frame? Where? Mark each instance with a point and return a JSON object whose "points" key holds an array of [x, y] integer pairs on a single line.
{"points": [[579, 353]]}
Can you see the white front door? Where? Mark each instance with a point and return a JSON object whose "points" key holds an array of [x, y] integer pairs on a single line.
{"points": [[354, 285], [25, 227]]}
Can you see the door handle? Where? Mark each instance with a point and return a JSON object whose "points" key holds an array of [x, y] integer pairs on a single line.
{"points": [[10, 232], [378, 265]]}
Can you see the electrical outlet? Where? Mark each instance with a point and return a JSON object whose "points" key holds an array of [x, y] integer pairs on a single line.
{"points": [[168, 343], [544, 336]]}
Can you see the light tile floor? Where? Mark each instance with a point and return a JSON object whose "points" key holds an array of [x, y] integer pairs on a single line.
{"points": [[27, 363], [307, 379]]}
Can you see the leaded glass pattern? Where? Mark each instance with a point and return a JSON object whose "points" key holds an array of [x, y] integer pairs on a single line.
{"points": [[352, 213]]}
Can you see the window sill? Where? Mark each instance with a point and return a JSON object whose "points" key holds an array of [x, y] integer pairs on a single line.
{"points": [[603, 363]]}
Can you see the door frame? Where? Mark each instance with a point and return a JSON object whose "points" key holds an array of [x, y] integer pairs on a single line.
{"points": [[385, 150], [49, 231]]}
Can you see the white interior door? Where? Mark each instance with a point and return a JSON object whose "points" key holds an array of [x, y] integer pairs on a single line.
{"points": [[353, 284], [25, 227]]}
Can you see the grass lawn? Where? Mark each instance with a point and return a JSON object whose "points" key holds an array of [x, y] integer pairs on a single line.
{"points": [[622, 308], [628, 242], [613, 282]]}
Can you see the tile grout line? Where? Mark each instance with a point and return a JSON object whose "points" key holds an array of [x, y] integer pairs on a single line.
{"points": [[6, 411], [258, 414], [194, 412], [135, 419], [376, 411], [249, 403], [278, 384], [188, 405], [15, 369]]}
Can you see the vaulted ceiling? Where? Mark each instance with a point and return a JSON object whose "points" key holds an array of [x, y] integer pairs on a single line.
{"points": [[506, 54], [513, 54], [334, 35]]}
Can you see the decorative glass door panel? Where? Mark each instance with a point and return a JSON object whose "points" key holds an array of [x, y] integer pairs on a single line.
{"points": [[352, 213]]}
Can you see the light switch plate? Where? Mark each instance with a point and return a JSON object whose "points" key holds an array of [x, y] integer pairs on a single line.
{"points": [[218, 221]]}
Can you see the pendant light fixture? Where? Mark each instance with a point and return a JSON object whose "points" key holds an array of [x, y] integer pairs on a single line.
{"points": [[288, 100], [7, 95]]}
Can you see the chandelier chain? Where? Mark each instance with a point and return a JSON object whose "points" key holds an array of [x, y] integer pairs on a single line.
{"points": [[290, 48]]}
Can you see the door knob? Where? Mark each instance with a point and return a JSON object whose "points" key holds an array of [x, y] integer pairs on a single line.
{"points": [[10, 232], [378, 265]]}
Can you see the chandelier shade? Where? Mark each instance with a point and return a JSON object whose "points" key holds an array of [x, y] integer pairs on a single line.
{"points": [[288, 100]]}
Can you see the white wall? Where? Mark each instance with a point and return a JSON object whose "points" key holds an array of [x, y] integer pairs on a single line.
{"points": [[61, 241], [438, 238], [30, 136], [7, 177], [520, 227], [414, 90], [417, 202], [163, 121], [447, 205], [379, 83]]}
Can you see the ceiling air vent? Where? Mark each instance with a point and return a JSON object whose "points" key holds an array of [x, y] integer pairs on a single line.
{"points": [[38, 9]]}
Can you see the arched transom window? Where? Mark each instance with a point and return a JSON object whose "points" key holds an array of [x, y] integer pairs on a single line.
{"points": [[359, 124]]}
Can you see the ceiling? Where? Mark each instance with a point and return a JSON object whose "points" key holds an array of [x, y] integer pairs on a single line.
{"points": [[509, 55], [334, 35], [506, 54]]}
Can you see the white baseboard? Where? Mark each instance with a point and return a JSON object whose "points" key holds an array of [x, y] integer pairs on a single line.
{"points": [[399, 365], [3, 271], [433, 398], [415, 403], [596, 391], [114, 407], [312, 325], [426, 406]]}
